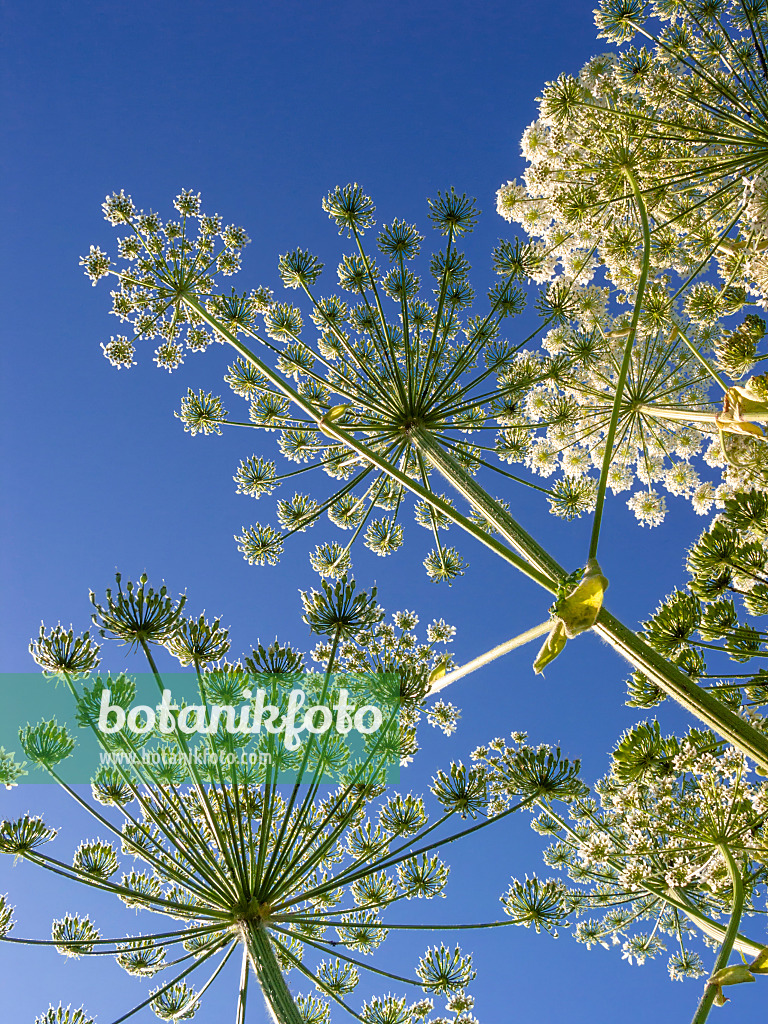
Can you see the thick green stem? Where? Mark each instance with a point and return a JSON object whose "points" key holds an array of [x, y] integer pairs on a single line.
{"points": [[482, 502], [634, 649], [283, 1010], [710, 991], [676, 684]]}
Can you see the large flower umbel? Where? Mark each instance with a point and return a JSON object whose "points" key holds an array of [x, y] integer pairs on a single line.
{"points": [[394, 370], [683, 102], [293, 857]]}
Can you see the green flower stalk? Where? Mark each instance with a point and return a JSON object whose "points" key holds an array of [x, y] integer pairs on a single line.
{"points": [[293, 860]]}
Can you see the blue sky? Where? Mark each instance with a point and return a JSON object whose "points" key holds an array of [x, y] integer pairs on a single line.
{"points": [[264, 107]]}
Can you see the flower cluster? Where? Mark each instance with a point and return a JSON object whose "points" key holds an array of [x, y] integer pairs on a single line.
{"points": [[683, 115], [395, 383], [647, 862], [702, 629], [167, 263], [393, 374], [389, 651], [558, 428], [675, 127], [297, 877]]}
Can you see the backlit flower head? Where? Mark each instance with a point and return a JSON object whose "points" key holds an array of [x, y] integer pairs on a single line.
{"points": [[167, 263], [232, 861], [398, 371], [138, 615]]}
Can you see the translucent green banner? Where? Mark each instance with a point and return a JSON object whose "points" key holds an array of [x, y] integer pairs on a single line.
{"points": [[225, 726]]}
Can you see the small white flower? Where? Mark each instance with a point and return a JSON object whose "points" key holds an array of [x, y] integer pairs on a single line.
{"points": [[649, 507], [703, 497], [510, 200], [620, 477], [681, 478], [542, 458]]}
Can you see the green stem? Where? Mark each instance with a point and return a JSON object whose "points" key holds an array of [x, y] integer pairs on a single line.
{"points": [[242, 994], [680, 415], [710, 369], [633, 648], [742, 943], [705, 1004], [295, 962], [283, 1010], [533, 553], [624, 371], [680, 687]]}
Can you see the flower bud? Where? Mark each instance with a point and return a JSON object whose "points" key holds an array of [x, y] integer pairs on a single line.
{"points": [[333, 415]]}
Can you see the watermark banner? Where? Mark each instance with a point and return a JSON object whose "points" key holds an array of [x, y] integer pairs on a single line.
{"points": [[224, 726]]}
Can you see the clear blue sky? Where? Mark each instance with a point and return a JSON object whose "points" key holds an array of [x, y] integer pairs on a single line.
{"points": [[264, 107]]}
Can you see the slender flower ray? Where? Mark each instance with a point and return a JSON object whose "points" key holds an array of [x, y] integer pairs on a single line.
{"points": [[179, 977], [211, 820], [611, 432], [177, 869], [284, 841]]}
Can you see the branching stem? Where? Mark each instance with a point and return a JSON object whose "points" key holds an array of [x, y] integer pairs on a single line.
{"points": [[737, 907]]}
